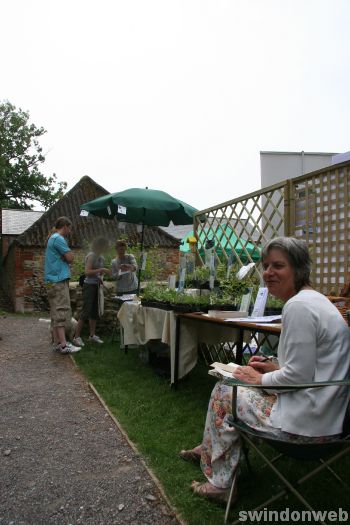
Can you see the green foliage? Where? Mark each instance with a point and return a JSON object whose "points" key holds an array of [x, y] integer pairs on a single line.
{"points": [[156, 292], [273, 302], [155, 262], [201, 274], [20, 158], [228, 291], [233, 289]]}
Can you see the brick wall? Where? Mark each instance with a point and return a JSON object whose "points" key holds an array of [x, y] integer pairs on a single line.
{"points": [[8, 279], [168, 262]]}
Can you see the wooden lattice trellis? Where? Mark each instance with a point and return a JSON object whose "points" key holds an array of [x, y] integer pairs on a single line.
{"points": [[242, 226], [314, 207], [321, 215]]}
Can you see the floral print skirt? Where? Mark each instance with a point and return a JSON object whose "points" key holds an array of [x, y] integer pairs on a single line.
{"points": [[220, 451]]}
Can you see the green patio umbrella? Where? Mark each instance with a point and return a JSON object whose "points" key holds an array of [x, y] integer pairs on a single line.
{"points": [[224, 239], [142, 206]]}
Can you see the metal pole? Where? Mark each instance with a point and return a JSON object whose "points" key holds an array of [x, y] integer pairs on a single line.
{"points": [[141, 258]]}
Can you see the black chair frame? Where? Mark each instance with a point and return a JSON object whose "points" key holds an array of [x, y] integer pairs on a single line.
{"points": [[326, 452]]}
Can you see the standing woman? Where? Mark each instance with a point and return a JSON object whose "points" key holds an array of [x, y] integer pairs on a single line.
{"points": [[123, 270], [94, 271]]}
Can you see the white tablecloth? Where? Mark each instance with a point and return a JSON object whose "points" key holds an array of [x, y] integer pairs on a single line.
{"points": [[141, 324]]}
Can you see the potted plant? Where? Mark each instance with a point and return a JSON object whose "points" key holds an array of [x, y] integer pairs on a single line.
{"points": [[273, 306], [199, 278], [156, 296]]}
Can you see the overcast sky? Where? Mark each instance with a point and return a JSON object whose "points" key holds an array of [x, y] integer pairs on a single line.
{"points": [[178, 95]]}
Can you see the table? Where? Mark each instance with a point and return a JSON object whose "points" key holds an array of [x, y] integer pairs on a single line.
{"points": [[142, 323], [239, 331]]}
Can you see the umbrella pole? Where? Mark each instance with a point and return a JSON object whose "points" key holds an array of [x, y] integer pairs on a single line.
{"points": [[141, 259]]}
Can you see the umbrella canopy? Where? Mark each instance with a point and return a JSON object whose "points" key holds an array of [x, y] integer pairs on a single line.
{"points": [[142, 206], [224, 239]]}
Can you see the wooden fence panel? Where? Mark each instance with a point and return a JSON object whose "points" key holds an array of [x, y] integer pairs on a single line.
{"points": [[314, 207], [322, 216]]}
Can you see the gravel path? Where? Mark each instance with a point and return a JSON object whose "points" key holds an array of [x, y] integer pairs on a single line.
{"points": [[62, 458]]}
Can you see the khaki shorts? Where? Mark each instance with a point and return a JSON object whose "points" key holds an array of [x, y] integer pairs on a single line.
{"points": [[59, 299]]}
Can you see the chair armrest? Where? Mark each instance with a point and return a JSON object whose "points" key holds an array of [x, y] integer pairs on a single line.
{"points": [[297, 386]]}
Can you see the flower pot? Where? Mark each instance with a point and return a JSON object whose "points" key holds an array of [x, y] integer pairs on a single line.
{"points": [[272, 311], [152, 303], [186, 307]]}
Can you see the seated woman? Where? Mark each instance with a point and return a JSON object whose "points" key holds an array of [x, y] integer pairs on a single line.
{"points": [[314, 346], [123, 270]]}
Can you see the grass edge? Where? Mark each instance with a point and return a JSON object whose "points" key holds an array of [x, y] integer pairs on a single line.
{"points": [[131, 444]]}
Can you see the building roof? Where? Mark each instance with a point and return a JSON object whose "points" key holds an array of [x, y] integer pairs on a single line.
{"points": [[15, 222], [326, 153], [178, 232], [242, 228], [85, 229]]}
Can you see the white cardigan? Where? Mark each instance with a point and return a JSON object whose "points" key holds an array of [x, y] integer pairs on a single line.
{"points": [[314, 346]]}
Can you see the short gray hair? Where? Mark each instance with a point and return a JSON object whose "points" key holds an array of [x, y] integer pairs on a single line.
{"points": [[298, 256]]}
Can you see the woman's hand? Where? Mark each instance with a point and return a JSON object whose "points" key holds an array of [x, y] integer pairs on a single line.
{"points": [[262, 364], [248, 375], [105, 270]]}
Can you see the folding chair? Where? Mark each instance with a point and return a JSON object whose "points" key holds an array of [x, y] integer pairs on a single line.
{"points": [[326, 453]]}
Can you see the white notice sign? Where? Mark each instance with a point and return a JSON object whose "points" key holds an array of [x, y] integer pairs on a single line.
{"points": [[245, 302], [260, 302], [143, 260], [121, 209]]}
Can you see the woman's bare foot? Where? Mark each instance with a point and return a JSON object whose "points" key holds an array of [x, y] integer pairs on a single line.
{"points": [[191, 455], [209, 491]]}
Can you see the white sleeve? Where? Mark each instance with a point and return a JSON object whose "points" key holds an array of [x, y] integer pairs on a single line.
{"points": [[298, 354]]}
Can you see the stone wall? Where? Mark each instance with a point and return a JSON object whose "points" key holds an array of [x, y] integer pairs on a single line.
{"points": [[105, 323], [34, 290]]}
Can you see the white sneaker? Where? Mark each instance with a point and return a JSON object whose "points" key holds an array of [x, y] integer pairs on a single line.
{"points": [[77, 341], [69, 349], [95, 339]]}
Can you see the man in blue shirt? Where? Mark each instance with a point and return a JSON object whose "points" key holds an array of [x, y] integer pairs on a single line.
{"points": [[58, 257]]}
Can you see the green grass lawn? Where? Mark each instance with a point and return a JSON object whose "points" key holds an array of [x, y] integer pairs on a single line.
{"points": [[161, 421]]}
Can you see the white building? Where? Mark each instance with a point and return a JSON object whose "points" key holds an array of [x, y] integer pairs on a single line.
{"points": [[277, 166]]}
